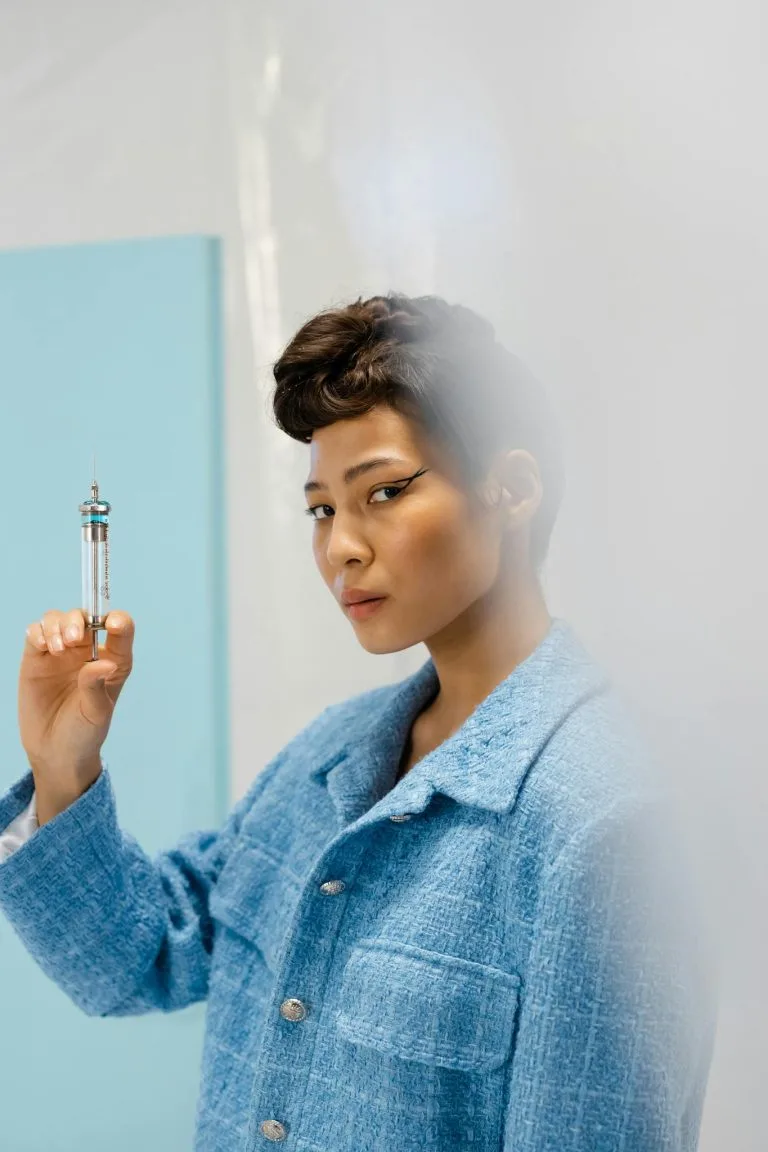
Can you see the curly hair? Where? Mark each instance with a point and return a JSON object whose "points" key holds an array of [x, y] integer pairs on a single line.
{"points": [[437, 363]]}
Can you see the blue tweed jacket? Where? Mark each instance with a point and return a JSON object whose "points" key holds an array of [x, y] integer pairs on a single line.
{"points": [[495, 953]]}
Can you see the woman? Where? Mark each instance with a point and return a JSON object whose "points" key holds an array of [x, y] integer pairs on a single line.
{"points": [[445, 915]]}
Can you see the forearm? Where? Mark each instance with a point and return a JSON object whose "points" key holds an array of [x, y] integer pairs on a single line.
{"points": [[51, 800]]}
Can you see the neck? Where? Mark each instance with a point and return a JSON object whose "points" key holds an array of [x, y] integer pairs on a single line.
{"points": [[483, 646]]}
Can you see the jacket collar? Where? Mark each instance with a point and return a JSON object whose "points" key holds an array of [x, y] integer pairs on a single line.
{"points": [[483, 764]]}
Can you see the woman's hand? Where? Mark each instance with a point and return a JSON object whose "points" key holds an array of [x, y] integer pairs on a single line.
{"points": [[66, 701]]}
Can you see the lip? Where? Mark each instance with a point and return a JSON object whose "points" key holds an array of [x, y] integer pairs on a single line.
{"points": [[357, 596], [362, 609]]}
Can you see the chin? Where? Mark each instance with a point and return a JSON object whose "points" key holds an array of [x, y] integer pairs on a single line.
{"points": [[385, 642]]}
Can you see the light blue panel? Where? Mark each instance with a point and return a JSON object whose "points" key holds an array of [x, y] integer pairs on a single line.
{"points": [[115, 348]]}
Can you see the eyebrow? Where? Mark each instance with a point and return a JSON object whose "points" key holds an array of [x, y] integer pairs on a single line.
{"points": [[356, 470]]}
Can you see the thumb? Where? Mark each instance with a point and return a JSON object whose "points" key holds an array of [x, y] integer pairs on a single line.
{"points": [[92, 680]]}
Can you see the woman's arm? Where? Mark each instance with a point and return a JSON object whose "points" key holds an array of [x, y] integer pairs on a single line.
{"points": [[118, 932]]}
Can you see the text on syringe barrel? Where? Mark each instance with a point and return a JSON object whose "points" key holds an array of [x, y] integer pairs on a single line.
{"points": [[95, 568]]}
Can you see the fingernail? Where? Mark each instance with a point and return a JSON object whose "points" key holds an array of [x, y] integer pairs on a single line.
{"points": [[57, 643], [71, 632]]}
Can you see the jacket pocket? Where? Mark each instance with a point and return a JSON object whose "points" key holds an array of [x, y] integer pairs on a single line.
{"points": [[420, 1005], [255, 896]]}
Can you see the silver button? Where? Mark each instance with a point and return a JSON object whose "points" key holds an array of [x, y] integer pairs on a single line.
{"points": [[403, 816], [332, 887], [292, 1010], [273, 1130]]}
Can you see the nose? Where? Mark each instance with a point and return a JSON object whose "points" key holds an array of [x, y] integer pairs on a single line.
{"points": [[346, 543]]}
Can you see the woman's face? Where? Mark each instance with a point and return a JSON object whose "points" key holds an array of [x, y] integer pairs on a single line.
{"points": [[426, 548]]}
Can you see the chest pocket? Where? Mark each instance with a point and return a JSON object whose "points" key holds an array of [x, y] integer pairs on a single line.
{"points": [[255, 896], [420, 1005]]}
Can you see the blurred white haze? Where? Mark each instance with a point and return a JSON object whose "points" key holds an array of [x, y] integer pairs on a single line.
{"points": [[592, 178]]}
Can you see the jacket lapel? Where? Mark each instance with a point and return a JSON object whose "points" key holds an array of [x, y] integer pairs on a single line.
{"points": [[483, 764]]}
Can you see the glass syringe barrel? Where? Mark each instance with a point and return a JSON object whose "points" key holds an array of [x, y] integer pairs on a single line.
{"points": [[95, 564]]}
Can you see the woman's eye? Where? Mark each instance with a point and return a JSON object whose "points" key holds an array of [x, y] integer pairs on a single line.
{"points": [[387, 494], [388, 488], [316, 509]]}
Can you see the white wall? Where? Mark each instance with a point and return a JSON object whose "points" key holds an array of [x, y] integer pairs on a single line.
{"points": [[593, 177]]}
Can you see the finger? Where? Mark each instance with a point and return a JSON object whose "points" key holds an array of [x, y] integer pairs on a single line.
{"points": [[120, 632], [35, 644], [50, 623], [73, 628]]}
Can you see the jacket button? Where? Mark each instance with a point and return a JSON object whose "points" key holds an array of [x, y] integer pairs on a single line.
{"points": [[292, 1010], [273, 1130], [402, 816], [332, 887]]}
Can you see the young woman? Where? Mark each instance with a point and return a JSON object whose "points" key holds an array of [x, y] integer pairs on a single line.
{"points": [[446, 915]]}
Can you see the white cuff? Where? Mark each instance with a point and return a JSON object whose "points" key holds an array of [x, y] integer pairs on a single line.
{"points": [[19, 830]]}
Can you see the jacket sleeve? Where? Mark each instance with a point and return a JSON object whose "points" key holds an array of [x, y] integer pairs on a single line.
{"points": [[121, 934], [617, 1018]]}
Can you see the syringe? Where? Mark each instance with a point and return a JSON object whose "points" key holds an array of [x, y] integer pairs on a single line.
{"points": [[95, 562]]}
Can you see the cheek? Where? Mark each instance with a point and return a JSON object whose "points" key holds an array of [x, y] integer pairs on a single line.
{"points": [[447, 552], [415, 542]]}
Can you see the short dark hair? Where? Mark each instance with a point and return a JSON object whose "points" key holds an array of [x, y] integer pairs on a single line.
{"points": [[438, 363]]}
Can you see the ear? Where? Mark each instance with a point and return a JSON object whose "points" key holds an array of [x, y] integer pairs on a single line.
{"points": [[517, 481]]}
